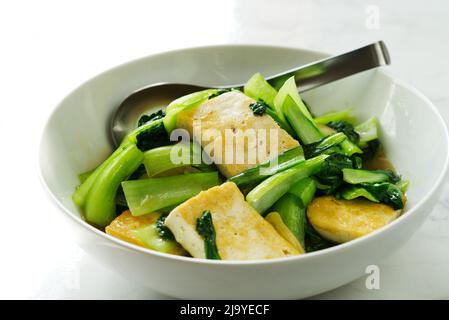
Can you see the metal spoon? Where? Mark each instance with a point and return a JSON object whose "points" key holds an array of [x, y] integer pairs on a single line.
{"points": [[307, 77]]}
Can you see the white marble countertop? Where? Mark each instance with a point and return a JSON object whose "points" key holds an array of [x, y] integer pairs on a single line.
{"points": [[50, 47]]}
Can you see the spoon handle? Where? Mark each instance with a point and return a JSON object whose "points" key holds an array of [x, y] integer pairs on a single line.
{"points": [[337, 67]]}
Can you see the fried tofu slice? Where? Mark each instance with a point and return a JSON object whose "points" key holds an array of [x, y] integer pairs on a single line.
{"points": [[345, 220], [241, 232], [125, 226], [231, 111]]}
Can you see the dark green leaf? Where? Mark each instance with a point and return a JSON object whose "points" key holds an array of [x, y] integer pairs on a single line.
{"points": [[331, 173], [386, 193], [314, 241], [258, 108], [162, 230], [154, 116], [346, 128], [205, 228], [371, 150], [154, 137]]}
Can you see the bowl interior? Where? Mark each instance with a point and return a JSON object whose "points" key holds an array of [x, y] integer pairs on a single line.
{"points": [[76, 137]]}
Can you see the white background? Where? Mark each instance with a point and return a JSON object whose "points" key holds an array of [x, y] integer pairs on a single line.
{"points": [[47, 48]]}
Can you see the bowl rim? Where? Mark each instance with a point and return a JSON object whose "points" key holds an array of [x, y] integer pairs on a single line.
{"points": [[291, 259]]}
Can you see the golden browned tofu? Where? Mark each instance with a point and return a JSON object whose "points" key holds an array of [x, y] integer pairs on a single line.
{"points": [[241, 232], [231, 111], [344, 220], [127, 227]]}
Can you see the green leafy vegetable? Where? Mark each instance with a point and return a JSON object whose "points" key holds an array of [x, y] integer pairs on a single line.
{"points": [[162, 159], [184, 103], [264, 170], [154, 116], [289, 89], [331, 172], [162, 230], [354, 192], [154, 137], [386, 193], [79, 197], [325, 143], [346, 128], [304, 127], [258, 89], [403, 185], [293, 215], [264, 195], [205, 227], [367, 131], [219, 92], [343, 115], [150, 195], [100, 203], [350, 148], [83, 176], [292, 207], [258, 108], [313, 240], [304, 189], [358, 162], [371, 149], [158, 237], [357, 176]]}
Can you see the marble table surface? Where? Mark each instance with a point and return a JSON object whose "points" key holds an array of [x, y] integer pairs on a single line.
{"points": [[52, 46]]}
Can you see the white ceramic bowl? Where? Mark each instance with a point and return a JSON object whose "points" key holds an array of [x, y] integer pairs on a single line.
{"points": [[76, 139]]}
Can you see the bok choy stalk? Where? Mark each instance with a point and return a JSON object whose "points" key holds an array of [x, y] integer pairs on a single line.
{"points": [[343, 115], [293, 215], [403, 185], [83, 176], [264, 195], [356, 192], [316, 148], [289, 88], [288, 103], [149, 195], [260, 90], [305, 190], [162, 159], [357, 176], [158, 237], [79, 197], [292, 208], [100, 203], [305, 129], [150, 133], [275, 219], [254, 175], [349, 148], [264, 94], [367, 131]]}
